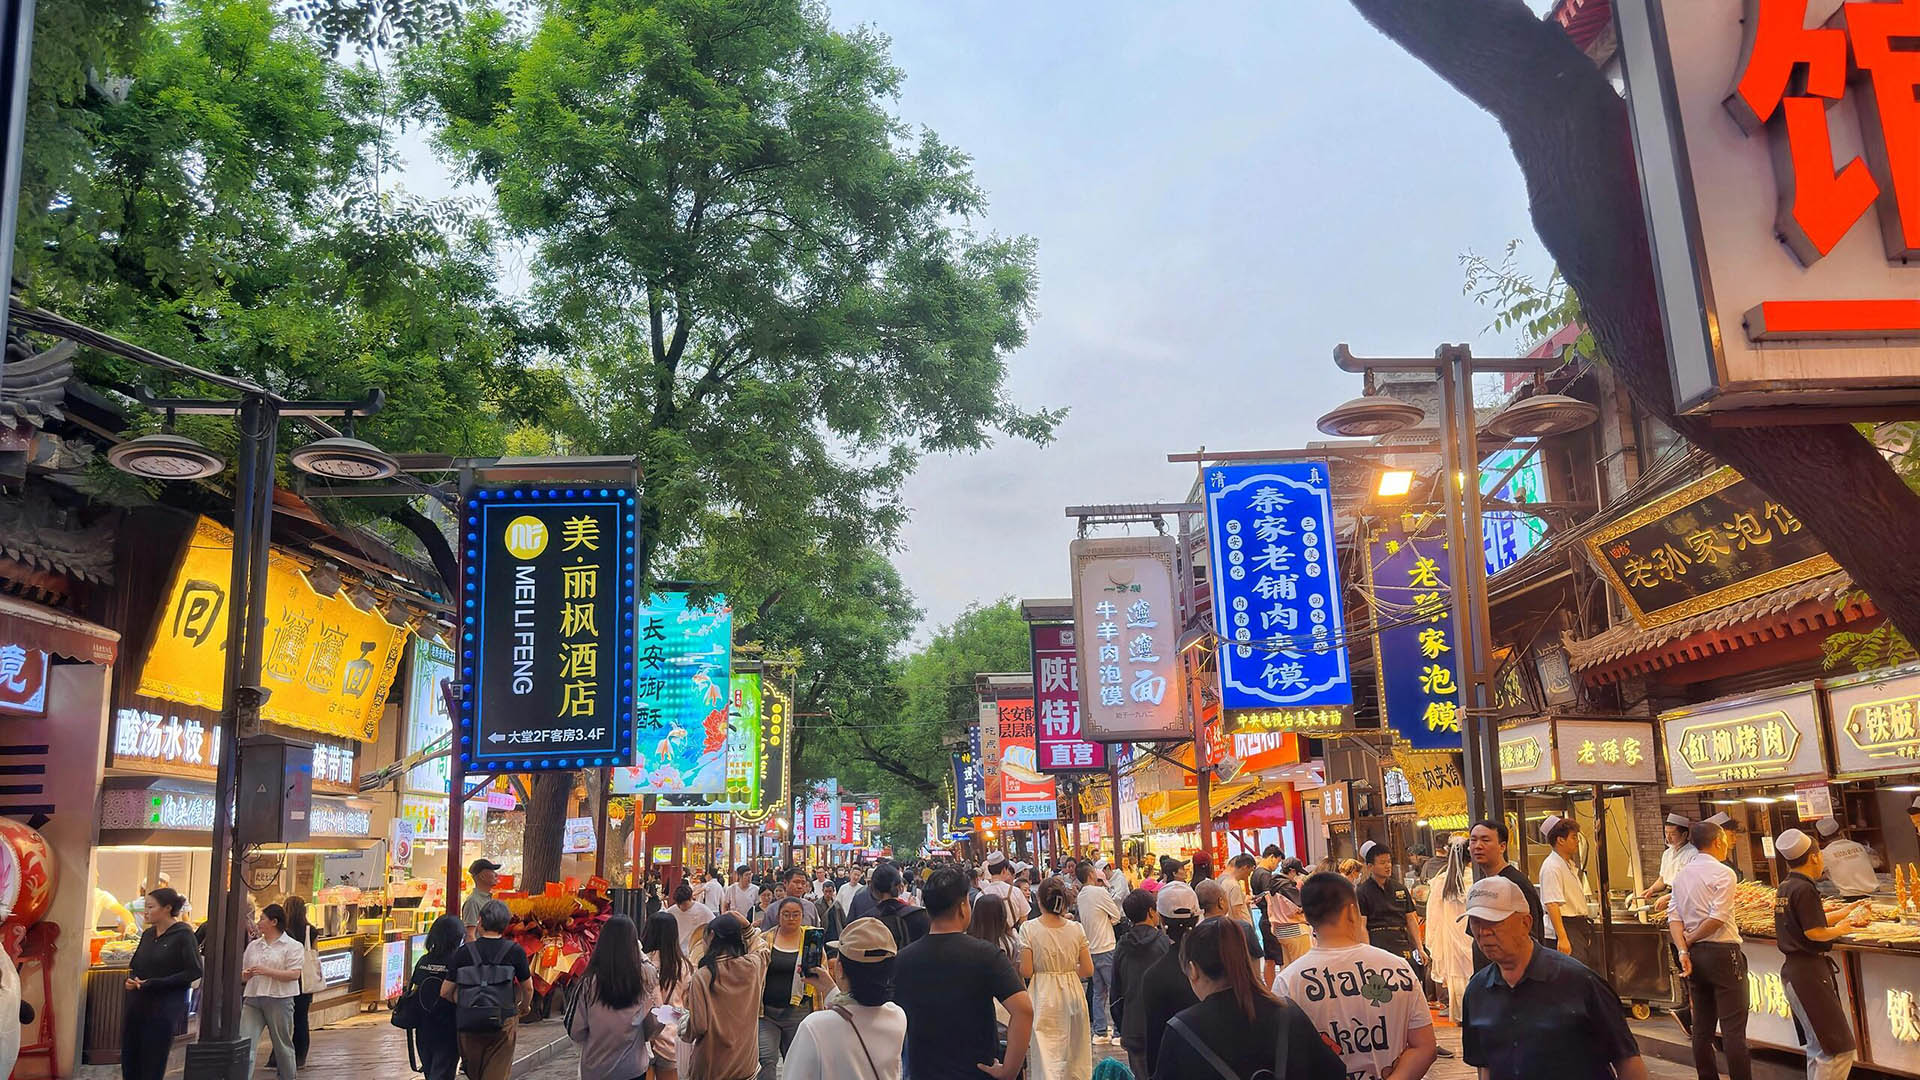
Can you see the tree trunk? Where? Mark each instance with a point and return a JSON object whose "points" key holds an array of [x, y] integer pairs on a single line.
{"points": [[1569, 131], [546, 824]]}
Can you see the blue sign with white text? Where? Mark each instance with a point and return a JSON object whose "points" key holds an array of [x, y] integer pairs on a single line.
{"points": [[1276, 586], [1412, 591]]}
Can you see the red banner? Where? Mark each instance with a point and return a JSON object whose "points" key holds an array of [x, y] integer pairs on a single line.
{"points": [[849, 822], [1056, 700]]}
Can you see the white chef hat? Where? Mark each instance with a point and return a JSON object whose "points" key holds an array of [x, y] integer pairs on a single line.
{"points": [[1721, 819], [1680, 820], [1914, 806], [1792, 844], [1551, 823], [1368, 850], [1827, 826]]}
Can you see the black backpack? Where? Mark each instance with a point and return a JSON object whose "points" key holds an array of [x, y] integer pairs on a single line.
{"points": [[893, 915], [485, 998]]}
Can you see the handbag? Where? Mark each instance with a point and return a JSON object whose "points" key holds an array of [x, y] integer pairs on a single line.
{"points": [[841, 1011], [310, 981]]}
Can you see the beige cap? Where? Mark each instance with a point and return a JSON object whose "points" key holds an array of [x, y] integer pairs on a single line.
{"points": [[865, 941], [1495, 899], [1793, 843]]}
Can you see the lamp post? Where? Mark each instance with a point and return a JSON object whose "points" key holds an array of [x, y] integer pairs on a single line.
{"points": [[220, 1054], [1535, 417]]}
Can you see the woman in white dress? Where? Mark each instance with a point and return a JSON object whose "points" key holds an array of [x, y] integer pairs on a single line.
{"points": [[1054, 959], [1446, 903]]}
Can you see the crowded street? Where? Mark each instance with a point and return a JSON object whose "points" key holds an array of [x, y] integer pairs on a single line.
{"points": [[901, 540]]}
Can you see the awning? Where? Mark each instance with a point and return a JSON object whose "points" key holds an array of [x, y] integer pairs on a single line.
{"points": [[1168, 811], [1264, 813], [44, 630], [1806, 607]]}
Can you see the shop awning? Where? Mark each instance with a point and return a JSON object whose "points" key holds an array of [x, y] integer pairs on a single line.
{"points": [[1167, 811], [1268, 812], [45, 630]]}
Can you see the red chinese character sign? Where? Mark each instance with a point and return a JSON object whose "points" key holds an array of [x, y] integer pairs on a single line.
{"points": [[1056, 704], [1026, 794], [1127, 632], [1779, 151]]}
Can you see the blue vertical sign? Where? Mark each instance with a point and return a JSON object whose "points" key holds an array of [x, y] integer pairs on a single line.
{"points": [[1411, 585], [1276, 586], [1510, 534]]}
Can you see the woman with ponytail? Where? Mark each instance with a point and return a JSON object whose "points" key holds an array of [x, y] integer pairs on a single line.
{"points": [[1054, 959], [1237, 1024]]}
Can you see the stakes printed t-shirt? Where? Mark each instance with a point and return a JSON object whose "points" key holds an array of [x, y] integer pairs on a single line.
{"points": [[947, 983], [1362, 1000]]}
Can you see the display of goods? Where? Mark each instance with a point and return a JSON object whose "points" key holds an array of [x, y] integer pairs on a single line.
{"points": [[34, 857], [1900, 885], [544, 909], [1885, 933], [1753, 908]]}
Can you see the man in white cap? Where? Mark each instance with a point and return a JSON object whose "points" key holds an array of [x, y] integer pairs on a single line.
{"points": [[1732, 829], [1849, 866], [1805, 933], [1678, 852], [1563, 890], [1702, 924], [1000, 883], [1533, 1012]]}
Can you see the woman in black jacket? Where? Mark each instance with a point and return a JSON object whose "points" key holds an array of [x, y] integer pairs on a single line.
{"points": [[165, 964], [308, 936], [436, 1038], [1237, 1024]]}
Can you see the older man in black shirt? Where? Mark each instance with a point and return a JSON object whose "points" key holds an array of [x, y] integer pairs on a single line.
{"points": [[1487, 847], [1535, 1012]]}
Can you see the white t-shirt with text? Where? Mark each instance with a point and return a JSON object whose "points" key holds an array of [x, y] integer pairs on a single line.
{"points": [[1364, 1002]]}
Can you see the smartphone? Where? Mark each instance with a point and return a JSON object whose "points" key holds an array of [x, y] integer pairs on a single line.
{"points": [[814, 951]]}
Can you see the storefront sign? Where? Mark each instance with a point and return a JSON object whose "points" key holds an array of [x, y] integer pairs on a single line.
{"points": [[339, 819], [1411, 587], [1127, 629], [1605, 751], [1712, 543], [576, 836], [23, 680], [1022, 784], [1890, 997], [966, 791], [821, 814], [988, 731], [1317, 723], [1526, 755], [849, 824], [428, 720], [1752, 127], [1509, 534], [1335, 801], [1056, 696], [1876, 721], [1276, 586], [1394, 789], [328, 664], [685, 663], [336, 967], [549, 606], [174, 741], [774, 746], [1764, 738], [1258, 750], [1439, 790]]}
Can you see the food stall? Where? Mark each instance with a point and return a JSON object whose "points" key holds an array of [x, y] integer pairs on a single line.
{"points": [[1584, 768]]}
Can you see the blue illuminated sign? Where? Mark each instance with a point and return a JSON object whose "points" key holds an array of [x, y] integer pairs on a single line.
{"points": [[1417, 642], [1276, 586], [685, 666], [546, 628]]}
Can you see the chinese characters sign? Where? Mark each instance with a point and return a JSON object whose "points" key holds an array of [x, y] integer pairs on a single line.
{"points": [[1876, 722], [1056, 698], [1790, 119], [1526, 755], [1712, 543], [23, 680], [546, 627], [1276, 586], [683, 666], [427, 717], [1509, 534], [1026, 794], [742, 755], [1771, 738], [1127, 629], [987, 753], [328, 664], [1604, 751], [774, 750], [1439, 791], [966, 787], [1314, 722], [1412, 591]]}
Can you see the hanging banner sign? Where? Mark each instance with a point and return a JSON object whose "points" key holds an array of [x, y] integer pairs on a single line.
{"points": [[821, 815], [1276, 586], [328, 664], [742, 750], [1509, 534], [966, 803], [987, 732], [1127, 630], [1782, 197], [849, 824], [1056, 697], [774, 751], [1412, 592], [1714, 542], [549, 606], [684, 664], [428, 720], [1022, 785]]}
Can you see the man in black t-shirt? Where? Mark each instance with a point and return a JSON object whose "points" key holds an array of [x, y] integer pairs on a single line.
{"points": [[947, 983], [1487, 847], [488, 1055], [1805, 934]]}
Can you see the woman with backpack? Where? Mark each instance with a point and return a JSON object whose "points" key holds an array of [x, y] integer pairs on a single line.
{"points": [[862, 1037], [299, 930], [723, 1004], [1238, 1031], [611, 1017], [430, 1017], [661, 942]]}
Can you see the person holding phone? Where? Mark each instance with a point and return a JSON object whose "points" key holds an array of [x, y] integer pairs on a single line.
{"points": [[861, 1037], [794, 953]]}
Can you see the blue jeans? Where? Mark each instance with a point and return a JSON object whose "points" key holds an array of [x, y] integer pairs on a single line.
{"points": [[1100, 988]]}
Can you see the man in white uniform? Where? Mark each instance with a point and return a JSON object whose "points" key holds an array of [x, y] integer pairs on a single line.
{"points": [[1849, 866], [1000, 884], [1563, 892], [1678, 852]]}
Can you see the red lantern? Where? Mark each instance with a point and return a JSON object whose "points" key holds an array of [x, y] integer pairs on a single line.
{"points": [[35, 860]]}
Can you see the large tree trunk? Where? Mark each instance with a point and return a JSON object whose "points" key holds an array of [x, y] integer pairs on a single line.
{"points": [[1569, 131], [546, 824]]}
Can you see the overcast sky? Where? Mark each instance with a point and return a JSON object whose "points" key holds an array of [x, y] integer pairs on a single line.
{"points": [[1220, 194]]}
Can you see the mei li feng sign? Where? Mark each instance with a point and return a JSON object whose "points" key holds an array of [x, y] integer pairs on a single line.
{"points": [[1778, 143], [547, 629]]}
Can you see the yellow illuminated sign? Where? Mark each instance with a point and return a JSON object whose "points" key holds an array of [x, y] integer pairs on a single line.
{"points": [[1624, 751], [1903, 1016], [1739, 748], [1303, 720], [1519, 755], [1767, 994], [326, 664], [1887, 729]]}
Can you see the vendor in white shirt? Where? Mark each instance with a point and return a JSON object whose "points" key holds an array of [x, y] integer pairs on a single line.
{"points": [[1678, 851], [1563, 890], [1849, 866]]}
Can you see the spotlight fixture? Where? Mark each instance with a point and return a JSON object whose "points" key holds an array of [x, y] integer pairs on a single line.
{"points": [[1365, 417], [165, 456], [1541, 415]]}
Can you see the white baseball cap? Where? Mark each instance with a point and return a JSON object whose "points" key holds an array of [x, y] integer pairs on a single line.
{"points": [[1176, 900], [995, 860], [1495, 899], [1793, 843], [1679, 820], [1827, 826]]}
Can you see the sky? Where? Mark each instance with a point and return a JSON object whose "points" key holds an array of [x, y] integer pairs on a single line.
{"points": [[1220, 194]]}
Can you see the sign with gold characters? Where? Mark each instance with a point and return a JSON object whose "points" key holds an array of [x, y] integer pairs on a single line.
{"points": [[327, 664], [1526, 754], [1875, 717], [547, 629], [1766, 738], [1312, 722], [1712, 543]]}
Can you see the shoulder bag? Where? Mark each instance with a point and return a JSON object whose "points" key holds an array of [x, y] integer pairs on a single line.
{"points": [[1279, 1070], [310, 982], [841, 1011]]}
